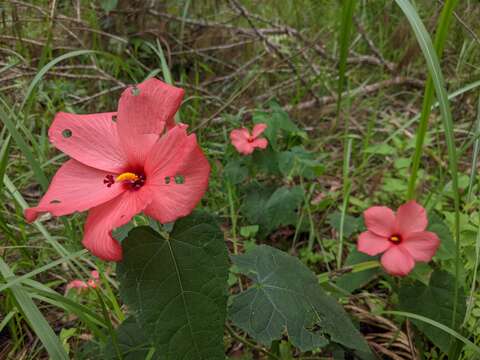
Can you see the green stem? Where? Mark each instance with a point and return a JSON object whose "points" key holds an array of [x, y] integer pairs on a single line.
{"points": [[111, 330], [275, 350], [367, 265], [250, 344], [346, 195], [233, 216]]}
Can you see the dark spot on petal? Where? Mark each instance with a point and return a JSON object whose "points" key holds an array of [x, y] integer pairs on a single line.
{"points": [[167, 179], [114, 118], [135, 91], [179, 179], [55, 202], [66, 133]]}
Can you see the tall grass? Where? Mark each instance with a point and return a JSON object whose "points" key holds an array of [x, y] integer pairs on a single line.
{"points": [[435, 72], [428, 97]]}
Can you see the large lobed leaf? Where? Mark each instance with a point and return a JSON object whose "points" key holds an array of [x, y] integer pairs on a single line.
{"points": [[435, 302], [285, 295], [132, 342], [176, 287], [271, 208]]}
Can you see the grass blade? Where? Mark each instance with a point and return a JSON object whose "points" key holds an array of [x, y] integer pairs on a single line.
{"points": [[436, 324], [476, 149], [440, 37], [346, 25], [35, 318], [433, 65], [19, 279], [46, 68], [24, 148]]}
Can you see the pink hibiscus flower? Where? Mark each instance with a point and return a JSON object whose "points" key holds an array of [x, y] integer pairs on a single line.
{"points": [[401, 237], [245, 142], [122, 165]]}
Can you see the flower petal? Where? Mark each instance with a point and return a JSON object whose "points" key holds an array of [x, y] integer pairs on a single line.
{"points": [[397, 261], [380, 220], [149, 106], [421, 245], [77, 284], [258, 129], [411, 217], [372, 244], [75, 187], [103, 219], [260, 143], [91, 139], [177, 176], [239, 138]]}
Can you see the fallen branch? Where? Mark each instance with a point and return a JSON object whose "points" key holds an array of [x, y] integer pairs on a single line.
{"points": [[360, 91]]}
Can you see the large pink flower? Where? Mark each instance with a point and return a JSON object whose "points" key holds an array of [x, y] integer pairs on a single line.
{"points": [[401, 237], [245, 142], [122, 165]]}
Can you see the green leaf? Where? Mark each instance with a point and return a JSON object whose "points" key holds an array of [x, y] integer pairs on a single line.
{"points": [[266, 161], [380, 149], [351, 225], [34, 317], [277, 121], [271, 208], [235, 172], [353, 281], [299, 162], [108, 5], [447, 249], [435, 302], [285, 295], [176, 287], [132, 342], [249, 231]]}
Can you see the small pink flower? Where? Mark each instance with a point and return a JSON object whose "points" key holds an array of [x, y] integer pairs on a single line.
{"points": [[81, 285], [77, 284], [246, 143], [122, 163], [401, 237], [95, 275]]}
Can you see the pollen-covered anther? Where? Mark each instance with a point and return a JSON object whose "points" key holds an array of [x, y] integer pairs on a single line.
{"points": [[132, 181], [395, 238], [127, 176]]}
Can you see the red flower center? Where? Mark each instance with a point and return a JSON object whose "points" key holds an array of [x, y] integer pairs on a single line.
{"points": [[251, 139], [131, 180], [396, 239]]}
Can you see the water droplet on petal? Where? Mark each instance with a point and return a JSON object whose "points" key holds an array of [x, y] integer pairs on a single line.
{"points": [[66, 133]]}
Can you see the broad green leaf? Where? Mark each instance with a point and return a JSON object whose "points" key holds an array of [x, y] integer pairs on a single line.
{"points": [[277, 121], [271, 208], [353, 281], [176, 287], [235, 172], [266, 161], [435, 302], [108, 5], [132, 342], [299, 162], [352, 224], [380, 149], [447, 244], [285, 296]]}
